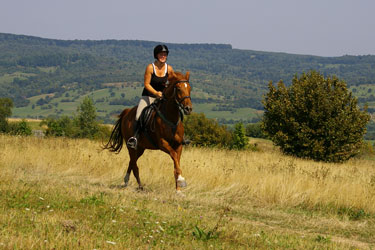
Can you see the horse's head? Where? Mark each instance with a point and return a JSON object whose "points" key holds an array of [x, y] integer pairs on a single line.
{"points": [[179, 88]]}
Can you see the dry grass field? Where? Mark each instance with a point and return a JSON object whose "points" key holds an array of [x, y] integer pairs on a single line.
{"points": [[66, 194]]}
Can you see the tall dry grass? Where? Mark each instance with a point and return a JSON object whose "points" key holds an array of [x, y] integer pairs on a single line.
{"points": [[272, 200], [263, 178]]}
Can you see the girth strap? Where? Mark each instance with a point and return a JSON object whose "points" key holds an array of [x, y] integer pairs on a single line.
{"points": [[145, 120], [169, 123]]}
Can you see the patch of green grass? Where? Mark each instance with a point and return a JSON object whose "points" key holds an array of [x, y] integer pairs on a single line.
{"points": [[69, 108], [353, 213], [72, 204], [8, 78], [94, 200], [51, 69], [34, 125], [322, 239], [58, 217], [238, 114], [363, 90]]}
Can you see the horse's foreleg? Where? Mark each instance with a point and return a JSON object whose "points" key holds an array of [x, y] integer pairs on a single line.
{"points": [[176, 155], [180, 181]]}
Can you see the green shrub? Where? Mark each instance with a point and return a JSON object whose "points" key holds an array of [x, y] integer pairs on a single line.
{"points": [[240, 140], [60, 127], [255, 130], [315, 118], [19, 128], [6, 106], [206, 132], [83, 125], [88, 126]]}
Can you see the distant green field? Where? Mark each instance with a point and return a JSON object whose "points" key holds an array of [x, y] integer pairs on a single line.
{"points": [[34, 124], [47, 69], [8, 78], [67, 104], [363, 90], [241, 113], [69, 101], [57, 106]]}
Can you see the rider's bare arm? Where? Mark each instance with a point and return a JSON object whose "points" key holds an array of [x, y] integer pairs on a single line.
{"points": [[147, 79]]}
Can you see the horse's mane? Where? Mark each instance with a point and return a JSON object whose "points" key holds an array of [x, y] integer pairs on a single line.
{"points": [[176, 76]]}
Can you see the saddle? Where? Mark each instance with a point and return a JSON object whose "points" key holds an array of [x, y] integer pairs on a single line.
{"points": [[144, 121], [145, 117]]}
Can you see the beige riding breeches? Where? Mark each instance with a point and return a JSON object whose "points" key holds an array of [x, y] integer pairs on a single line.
{"points": [[144, 102]]}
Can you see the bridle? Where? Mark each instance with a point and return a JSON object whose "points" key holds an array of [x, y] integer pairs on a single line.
{"points": [[179, 102], [179, 105]]}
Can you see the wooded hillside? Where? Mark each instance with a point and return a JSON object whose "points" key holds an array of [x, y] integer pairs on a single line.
{"points": [[223, 78]]}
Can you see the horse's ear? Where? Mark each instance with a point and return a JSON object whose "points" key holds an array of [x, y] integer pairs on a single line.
{"points": [[187, 75]]}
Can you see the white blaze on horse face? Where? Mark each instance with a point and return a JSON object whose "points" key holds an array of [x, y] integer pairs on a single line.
{"points": [[185, 85]]}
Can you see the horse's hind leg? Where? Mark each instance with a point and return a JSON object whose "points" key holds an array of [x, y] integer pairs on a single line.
{"points": [[127, 176], [134, 155]]}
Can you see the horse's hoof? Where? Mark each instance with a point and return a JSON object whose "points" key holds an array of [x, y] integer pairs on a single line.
{"points": [[140, 188], [181, 182]]}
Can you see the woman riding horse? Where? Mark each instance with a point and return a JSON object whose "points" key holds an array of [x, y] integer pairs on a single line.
{"points": [[155, 78], [165, 130]]}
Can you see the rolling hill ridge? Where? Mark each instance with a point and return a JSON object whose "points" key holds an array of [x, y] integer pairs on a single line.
{"points": [[48, 76]]}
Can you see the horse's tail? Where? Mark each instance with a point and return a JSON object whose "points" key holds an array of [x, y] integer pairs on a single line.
{"points": [[116, 140]]}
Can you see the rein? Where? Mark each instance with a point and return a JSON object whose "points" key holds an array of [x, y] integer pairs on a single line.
{"points": [[179, 102], [179, 105]]}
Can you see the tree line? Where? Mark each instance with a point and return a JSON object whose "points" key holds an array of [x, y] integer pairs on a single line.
{"points": [[201, 130], [316, 118], [52, 66]]}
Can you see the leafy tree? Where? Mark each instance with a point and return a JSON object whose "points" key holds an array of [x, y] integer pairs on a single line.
{"points": [[6, 105], [60, 127], [255, 130], [206, 132], [86, 119], [240, 139], [315, 118]]}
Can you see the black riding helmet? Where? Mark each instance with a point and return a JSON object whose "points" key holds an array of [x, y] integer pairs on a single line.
{"points": [[160, 48]]}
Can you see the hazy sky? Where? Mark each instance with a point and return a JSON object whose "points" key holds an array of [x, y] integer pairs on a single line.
{"points": [[314, 27]]}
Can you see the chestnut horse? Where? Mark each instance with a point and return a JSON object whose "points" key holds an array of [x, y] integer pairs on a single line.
{"points": [[165, 130]]}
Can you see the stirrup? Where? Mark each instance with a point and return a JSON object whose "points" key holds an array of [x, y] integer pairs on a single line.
{"points": [[132, 142], [186, 141]]}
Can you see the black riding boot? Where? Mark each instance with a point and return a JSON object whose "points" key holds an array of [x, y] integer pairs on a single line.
{"points": [[185, 141], [133, 141]]}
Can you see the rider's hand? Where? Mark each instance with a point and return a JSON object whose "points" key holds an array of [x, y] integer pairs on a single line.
{"points": [[159, 94]]}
